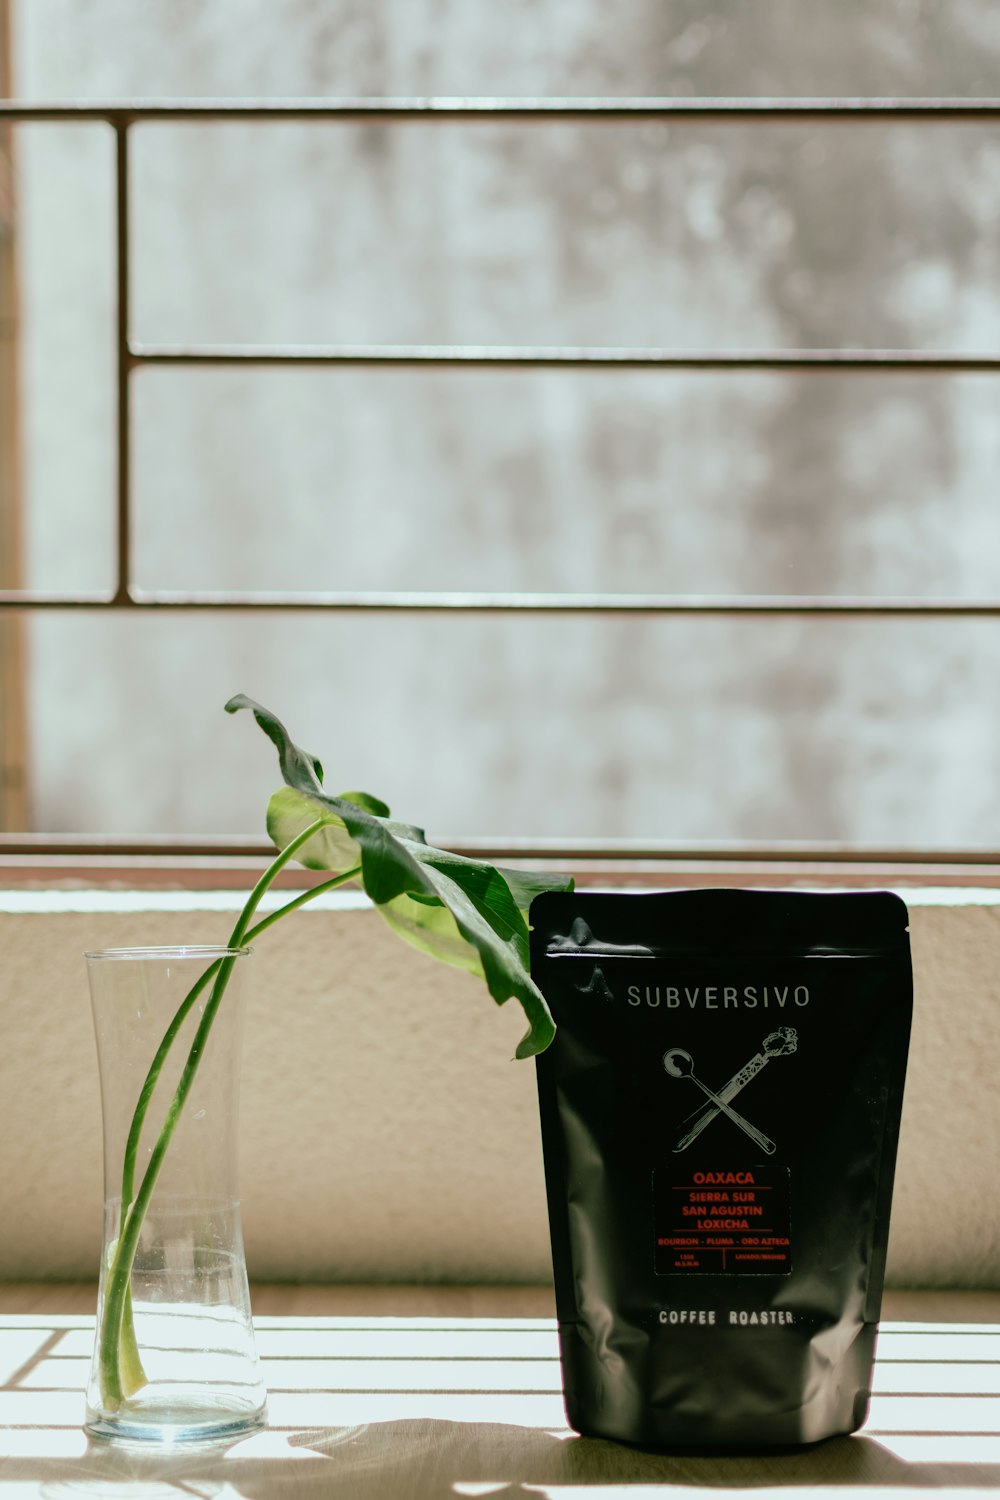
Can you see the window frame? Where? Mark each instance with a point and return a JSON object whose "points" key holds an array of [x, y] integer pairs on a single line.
{"points": [[659, 862]]}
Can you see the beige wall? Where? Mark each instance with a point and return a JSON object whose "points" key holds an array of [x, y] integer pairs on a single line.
{"points": [[386, 1134]]}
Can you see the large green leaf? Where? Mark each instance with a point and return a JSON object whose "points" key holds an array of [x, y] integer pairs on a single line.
{"points": [[463, 911]]}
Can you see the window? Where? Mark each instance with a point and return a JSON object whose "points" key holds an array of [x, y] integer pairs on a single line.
{"points": [[667, 471]]}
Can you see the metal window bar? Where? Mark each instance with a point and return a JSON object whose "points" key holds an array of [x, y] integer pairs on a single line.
{"points": [[121, 116]]}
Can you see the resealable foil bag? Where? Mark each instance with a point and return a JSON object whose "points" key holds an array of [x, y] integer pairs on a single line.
{"points": [[720, 1110]]}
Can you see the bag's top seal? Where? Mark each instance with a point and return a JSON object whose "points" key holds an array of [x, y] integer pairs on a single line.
{"points": [[639, 923]]}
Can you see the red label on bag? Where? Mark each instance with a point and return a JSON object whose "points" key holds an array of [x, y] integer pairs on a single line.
{"points": [[722, 1220]]}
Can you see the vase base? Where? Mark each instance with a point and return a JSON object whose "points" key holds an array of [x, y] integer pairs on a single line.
{"points": [[167, 1422]]}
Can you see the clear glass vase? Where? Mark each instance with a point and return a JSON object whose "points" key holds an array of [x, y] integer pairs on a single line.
{"points": [[174, 1352]]}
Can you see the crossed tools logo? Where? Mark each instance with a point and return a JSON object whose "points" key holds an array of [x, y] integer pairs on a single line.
{"points": [[680, 1064]]}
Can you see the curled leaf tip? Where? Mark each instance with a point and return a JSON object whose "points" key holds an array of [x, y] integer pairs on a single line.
{"points": [[293, 759]]}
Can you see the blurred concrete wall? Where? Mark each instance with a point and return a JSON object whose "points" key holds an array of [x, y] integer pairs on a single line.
{"points": [[701, 235]]}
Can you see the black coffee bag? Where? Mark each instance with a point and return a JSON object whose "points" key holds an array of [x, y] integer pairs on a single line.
{"points": [[720, 1110]]}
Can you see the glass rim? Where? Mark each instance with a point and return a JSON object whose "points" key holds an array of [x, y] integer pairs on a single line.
{"points": [[171, 950]]}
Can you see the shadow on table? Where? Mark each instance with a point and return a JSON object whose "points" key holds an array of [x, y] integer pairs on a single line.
{"points": [[414, 1459]]}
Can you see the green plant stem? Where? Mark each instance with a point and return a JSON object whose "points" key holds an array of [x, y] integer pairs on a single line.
{"points": [[118, 1283], [132, 1376], [152, 1077], [117, 1341], [184, 1010], [315, 890]]}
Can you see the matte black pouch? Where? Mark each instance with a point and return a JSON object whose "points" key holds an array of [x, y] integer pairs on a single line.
{"points": [[720, 1111]]}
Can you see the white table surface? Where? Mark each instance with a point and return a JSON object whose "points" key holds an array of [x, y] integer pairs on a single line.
{"points": [[444, 1392]]}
